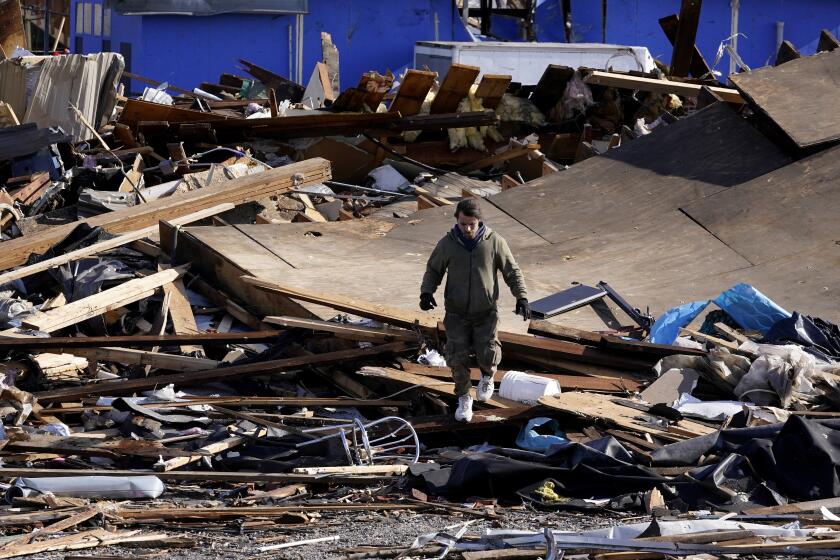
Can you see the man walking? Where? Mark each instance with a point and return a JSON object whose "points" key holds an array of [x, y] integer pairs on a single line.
{"points": [[471, 254]]}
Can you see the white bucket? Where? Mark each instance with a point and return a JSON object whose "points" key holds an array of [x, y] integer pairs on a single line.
{"points": [[526, 388]]}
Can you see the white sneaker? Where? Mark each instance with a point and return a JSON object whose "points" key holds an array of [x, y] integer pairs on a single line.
{"points": [[484, 391], [464, 411]]}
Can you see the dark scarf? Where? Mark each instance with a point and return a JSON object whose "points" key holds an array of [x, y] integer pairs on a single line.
{"points": [[469, 244]]}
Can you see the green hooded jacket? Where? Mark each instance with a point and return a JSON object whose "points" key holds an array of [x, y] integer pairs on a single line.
{"points": [[472, 286]]}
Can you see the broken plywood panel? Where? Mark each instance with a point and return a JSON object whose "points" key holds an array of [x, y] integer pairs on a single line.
{"points": [[800, 96]]}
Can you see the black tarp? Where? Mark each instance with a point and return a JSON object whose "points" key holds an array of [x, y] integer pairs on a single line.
{"points": [[817, 336]]}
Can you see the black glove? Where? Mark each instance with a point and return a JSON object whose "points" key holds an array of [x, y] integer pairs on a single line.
{"points": [[523, 308], [427, 302]]}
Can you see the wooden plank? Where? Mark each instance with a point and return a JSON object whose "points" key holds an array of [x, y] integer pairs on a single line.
{"points": [[181, 379], [551, 86], [505, 155], [341, 330], [181, 314], [413, 89], [698, 66], [600, 78], [786, 53], [97, 304], [285, 88], [368, 93], [455, 87], [146, 358], [686, 35], [429, 384], [491, 88], [136, 110], [209, 450], [828, 42], [798, 96], [237, 191], [73, 342], [354, 469], [602, 408], [832, 504], [108, 244], [133, 177]]}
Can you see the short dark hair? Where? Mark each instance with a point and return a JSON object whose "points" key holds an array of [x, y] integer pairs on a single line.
{"points": [[468, 207]]}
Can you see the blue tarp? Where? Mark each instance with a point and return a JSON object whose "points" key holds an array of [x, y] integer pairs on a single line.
{"points": [[751, 309], [532, 440]]}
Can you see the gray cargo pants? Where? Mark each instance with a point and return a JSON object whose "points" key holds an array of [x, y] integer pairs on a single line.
{"points": [[467, 336]]}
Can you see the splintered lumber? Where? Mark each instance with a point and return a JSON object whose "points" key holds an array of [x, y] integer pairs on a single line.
{"points": [[133, 176], [180, 312], [491, 88], [455, 87], [97, 304], [603, 408], [181, 379], [624, 81], [108, 244], [354, 469], [145, 358], [72, 342], [413, 90], [686, 34], [434, 385], [370, 92], [77, 541], [342, 330], [551, 86], [698, 68], [172, 513], [208, 450], [236, 191]]}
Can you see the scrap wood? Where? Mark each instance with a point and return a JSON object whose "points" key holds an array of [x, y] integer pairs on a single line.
{"points": [[600, 78], [146, 358], [85, 539], [343, 330], [113, 447], [88, 513], [173, 513], [181, 379], [237, 191], [73, 343], [209, 450], [108, 244], [97, 304], [603, 408], [354, 469]]}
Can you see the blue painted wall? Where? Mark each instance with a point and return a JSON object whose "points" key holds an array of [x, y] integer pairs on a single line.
{"points": [[377, 35], [369, 34]]}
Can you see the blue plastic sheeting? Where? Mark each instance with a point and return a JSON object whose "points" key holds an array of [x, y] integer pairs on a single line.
{"points": [[751, 309], [529, 439]]}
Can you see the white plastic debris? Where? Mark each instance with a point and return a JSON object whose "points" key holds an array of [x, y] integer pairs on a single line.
{"points": [[431, 358], [386, 178], [526, 388], [156, 95]]}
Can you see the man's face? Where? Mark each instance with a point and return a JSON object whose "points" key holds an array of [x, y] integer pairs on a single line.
{"points": [[468, 225]]}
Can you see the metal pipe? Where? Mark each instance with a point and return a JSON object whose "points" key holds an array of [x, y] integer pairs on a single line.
{"points": [[780, 36], [299, 48], [735, 6], [291, 51]]}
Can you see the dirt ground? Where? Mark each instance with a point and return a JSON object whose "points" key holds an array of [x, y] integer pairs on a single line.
{"points": [[397, 529]]}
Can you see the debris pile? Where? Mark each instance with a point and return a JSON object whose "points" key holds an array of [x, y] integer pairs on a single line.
{"points": [[210, 326]]}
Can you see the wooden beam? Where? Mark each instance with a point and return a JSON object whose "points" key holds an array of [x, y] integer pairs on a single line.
{"points": [[74, 342], [698, 67], [145, 358], [600, 78], [237, 191], [181, 379], [455, 87], [209, 450], [491, 88], [412, 93], [342, 330], [97, 304], [686, 35]]}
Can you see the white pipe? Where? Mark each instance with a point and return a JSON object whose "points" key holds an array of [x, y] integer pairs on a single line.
{"points": [[89, 487], [291, 51], [299, 49], [780, 36], [733, 32]]}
